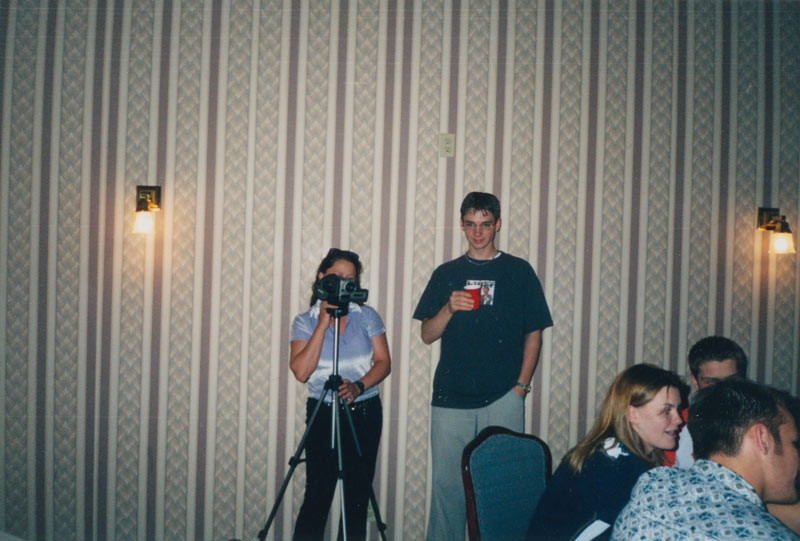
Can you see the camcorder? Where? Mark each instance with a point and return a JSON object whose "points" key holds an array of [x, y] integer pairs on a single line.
{"points": [[339, 291]]}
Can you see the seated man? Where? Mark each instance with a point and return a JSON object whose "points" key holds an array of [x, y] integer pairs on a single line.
{"points": [[790, 514], [712, 359], [745, 442]]}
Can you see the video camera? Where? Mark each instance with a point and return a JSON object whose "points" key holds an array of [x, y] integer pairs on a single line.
{"points": [[339, 291]]}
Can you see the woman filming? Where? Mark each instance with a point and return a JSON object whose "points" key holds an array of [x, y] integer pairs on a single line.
{"points": [[638, 421], [363, 363]]}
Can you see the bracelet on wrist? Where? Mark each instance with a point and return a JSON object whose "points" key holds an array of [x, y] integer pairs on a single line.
{"points": [[360, 385]]}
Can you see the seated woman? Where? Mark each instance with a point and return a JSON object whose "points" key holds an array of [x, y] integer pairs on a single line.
{"points": [[638, 421]]}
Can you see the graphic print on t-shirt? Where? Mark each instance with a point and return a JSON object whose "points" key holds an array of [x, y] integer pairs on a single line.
{"points": [[487, 290]]}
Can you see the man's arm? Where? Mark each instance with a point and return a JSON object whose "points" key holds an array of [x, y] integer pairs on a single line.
{"points": [[433, 328], [530, 358]]}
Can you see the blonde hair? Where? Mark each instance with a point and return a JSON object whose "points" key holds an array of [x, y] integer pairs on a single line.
{"points": [[635, 386]]}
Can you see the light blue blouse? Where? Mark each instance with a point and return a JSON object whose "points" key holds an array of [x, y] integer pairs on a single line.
{"points": [[355, 347]]}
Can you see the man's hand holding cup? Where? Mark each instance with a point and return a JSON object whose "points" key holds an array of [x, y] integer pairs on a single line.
{"points": [[466, 299], [474, 291]]}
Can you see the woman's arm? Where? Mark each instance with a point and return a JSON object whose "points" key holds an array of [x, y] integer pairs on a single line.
{"points": [[381, 366], [304, 354]]}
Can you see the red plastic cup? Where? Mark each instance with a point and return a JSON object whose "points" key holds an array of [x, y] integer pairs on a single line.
{"points": [[475, 293]]}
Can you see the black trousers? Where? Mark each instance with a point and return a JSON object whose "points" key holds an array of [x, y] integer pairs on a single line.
{"points": [[322, 466]]}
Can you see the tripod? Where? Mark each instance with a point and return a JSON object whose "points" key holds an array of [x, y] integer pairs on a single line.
{"points": [[331, 387]]}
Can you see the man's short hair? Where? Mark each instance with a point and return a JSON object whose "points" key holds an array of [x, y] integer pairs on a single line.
{"points": [[481, 201], [792, 403], [721, 414], [716, 348]]}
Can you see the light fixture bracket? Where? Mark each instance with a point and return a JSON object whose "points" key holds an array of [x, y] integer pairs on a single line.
{"points": [[148, 198], [768, 218]]}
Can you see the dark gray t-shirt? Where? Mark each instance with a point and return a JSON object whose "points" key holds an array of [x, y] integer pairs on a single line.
{"points": [[482, 349]]}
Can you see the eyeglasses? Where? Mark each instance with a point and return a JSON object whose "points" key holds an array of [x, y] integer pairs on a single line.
{"points": [[484, 226], [345, 253]]}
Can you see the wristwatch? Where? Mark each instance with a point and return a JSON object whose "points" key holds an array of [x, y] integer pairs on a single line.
{"points": [[360, 385], [526, 388]]}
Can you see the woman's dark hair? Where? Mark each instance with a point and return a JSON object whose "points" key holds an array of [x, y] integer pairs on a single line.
{"points": [[334, 255]]}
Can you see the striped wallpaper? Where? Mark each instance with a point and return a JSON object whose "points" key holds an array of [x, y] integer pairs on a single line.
{"points": [[145, 387]]}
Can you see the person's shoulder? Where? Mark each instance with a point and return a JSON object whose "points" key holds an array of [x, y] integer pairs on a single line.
{"points": [[368, 311], [372, 318], [303, 323], [708, 468], [516, 262], [706, 471], [307, 314], [666, 480], [615, 450], [511, 258], [665, 473], [453, 263], [623, 460], [444, 270], [606, 467], [610, 452]]}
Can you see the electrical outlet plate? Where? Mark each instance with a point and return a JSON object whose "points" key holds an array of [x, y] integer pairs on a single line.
{"points": [[447, 145]]}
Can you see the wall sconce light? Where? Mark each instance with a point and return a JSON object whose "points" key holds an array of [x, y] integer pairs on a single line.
{"points": [[781, 240], [148, 200]]}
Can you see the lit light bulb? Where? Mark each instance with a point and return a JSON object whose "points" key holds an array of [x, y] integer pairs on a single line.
{"points": [[144, 223], [781, 243]]}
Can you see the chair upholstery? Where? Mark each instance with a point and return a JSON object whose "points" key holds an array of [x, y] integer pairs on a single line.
{"points": [[505, 474]]}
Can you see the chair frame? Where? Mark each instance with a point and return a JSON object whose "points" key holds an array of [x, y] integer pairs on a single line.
{"points": [[466, 474]]}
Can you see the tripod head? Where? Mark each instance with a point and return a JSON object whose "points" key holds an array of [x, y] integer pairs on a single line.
{"points": [[338, 311]]}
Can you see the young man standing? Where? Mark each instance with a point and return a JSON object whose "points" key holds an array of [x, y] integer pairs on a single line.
{"points": [[490, 347]]}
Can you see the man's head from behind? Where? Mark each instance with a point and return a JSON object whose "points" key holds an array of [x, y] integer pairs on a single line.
{"points": [[715, 358], [743, 423]]}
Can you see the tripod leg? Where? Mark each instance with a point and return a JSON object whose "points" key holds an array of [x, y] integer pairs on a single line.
{"points": [[368, 482], [337, 435], [293, 462]]}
